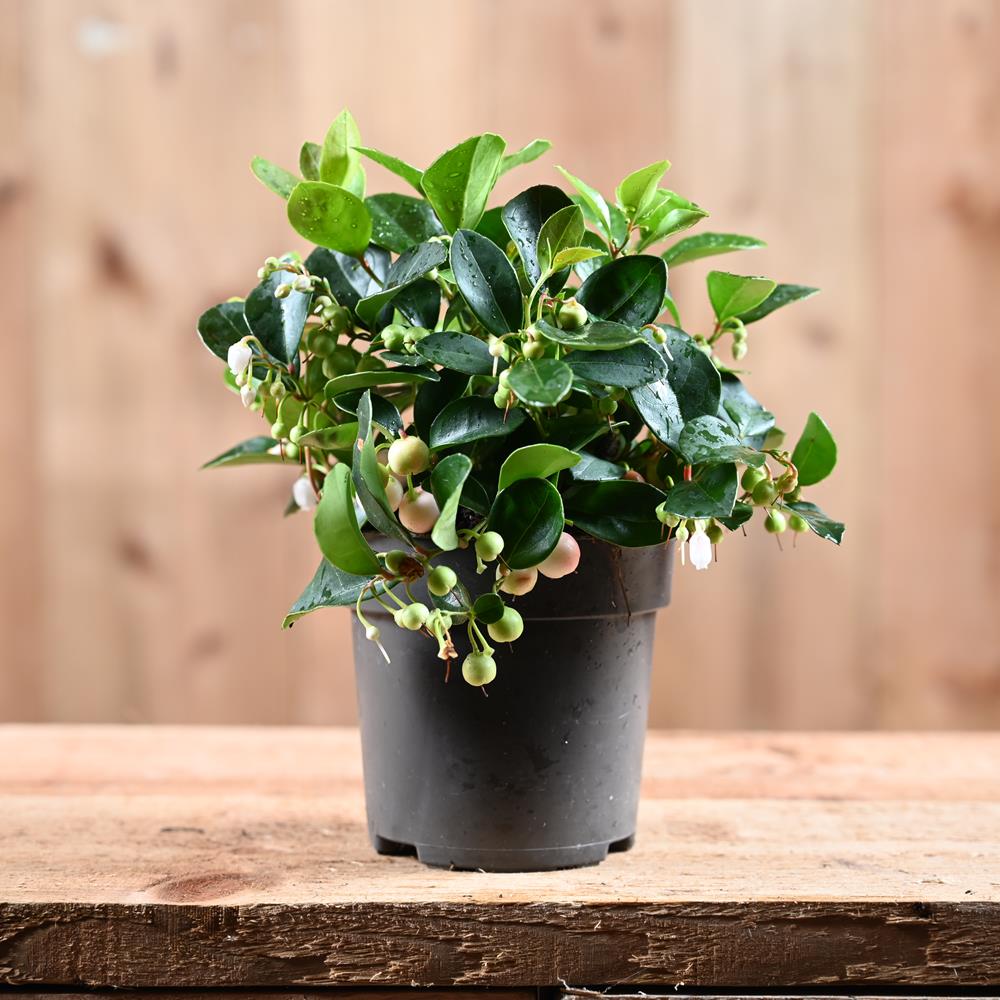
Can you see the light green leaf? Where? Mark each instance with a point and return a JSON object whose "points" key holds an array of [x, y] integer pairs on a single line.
{"points": [[336, 526], [273, 177], [447, 480], [458, 183], [535, 461], [708, 245], [815, 453], [340, 437], [782, 295], [309, 157], [524, 155], [339, 162], [559, 232], [593, 199], [529, 515], [574, 255], [399, 167], [668, 213], [732, 294], [254, 451], [472, 418], [543, 382], [330, 216], [635, 193]]}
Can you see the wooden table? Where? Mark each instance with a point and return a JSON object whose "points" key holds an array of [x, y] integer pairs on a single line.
{"points": [[207, 858]]}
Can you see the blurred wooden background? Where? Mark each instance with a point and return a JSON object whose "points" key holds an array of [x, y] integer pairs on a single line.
{"points": [[860, 138]]}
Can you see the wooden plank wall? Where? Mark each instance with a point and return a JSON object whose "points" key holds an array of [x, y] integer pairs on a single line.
{"points": [[861, 139]]}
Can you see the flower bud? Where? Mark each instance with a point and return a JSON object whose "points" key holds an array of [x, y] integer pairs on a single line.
{"points": [[239, 356], [303, 493], [248, 394], [283, 291], [372, 633], [682, 533], [278, 389], [496, 348], [303, 283], [739, 350]]}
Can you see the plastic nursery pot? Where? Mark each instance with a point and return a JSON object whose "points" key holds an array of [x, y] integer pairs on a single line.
{"points": [[543, 771]]}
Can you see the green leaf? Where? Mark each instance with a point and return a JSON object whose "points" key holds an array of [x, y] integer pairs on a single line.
{"points": [[489, 608], [535, 461], [336, 526], [592, 198], [339, 162], [273, 177], [669, 213], [526, 154], [712, 493], [348, 279], [447, 480], [710, 441], [383, 376], [742, 512], [635, 193], [457, 351], [433, 397], [544, 382], [749, 419], [405, 270], [629, 290], [458, 183], [782, 295], [487, 282], [419, 303], [254, 451], [574, 255], [692, 388], [819, 522], [222, 326], [277, 323], [399, 167], [491, 226], [622, 512], [367, 477], [524, 217], [384, 413], [597, 336], [309, 157], [559, 232], [529, 515], [471, 418], [732, 294], [330, 216], [400, 221], [627, 367], [339, 438], [592, 468], [331, 587], [586, 268], [815, 453], [708, 245]]}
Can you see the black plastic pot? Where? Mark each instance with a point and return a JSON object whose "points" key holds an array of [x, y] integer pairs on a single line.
{"points": [[539, 770]]}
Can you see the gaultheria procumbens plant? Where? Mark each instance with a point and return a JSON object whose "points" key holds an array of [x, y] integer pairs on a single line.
{"points": [[446, 373]]}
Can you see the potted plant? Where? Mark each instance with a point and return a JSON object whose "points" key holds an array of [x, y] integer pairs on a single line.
{"points": [[502, 432]]}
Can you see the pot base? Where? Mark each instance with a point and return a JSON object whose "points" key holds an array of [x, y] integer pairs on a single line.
{"points": [[543, 859]]}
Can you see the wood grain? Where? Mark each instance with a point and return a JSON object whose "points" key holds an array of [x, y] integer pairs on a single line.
{"points": [[137, 857]]}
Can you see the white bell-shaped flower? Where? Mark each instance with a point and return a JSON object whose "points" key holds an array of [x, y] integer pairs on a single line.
{"points": [[248, 394], [239, 357], [700, 549], [303, 494]]}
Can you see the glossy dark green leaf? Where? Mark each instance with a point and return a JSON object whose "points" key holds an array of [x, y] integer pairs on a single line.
{"points": [[387, 376], [529, 516], [544, 382], [405, 270], [622, 512], [339, 162], [336, 526], [524, 217], [526, 154], [309, 157], [488, 608], [597, 336], [222, 326], [815, 453], [748, 418], [331, 587], [400, 221], [733, 294], [367, 477], [782, 295], [471, 418], [708, 245], [447, 480], [487, 282], [710, 441], [668, 213], [330, 216], [819, 522], [254, 451], [627, 367], [348, 279], [458, 183], [491, 226], [457, 351], [384, 413], [742, 512], [476, 497], [636, 192], [559, 234], [273, 177], [535, 461], [419, 303], [629, 290], [399, 167], [691, 388], [592, 468], [277, 323], [592, 198], [712, 493], [433, 397]]}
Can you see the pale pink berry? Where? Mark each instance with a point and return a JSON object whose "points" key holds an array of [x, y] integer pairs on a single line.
{"points": [[420, 513], [563, 559]]}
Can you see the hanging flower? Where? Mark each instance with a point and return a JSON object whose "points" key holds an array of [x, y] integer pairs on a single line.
{"points": [[248, 394], [239, 357], [700, 548], [303, 493]]}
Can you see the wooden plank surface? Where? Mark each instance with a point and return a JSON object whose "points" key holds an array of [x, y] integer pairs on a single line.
{"points": [[140, 857]]}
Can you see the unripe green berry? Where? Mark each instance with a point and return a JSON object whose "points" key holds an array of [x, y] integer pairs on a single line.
{"points": [[441, 580], [798, 523], [501, 398], [278, 390], [572, 315], [330, 369], [303, 283], [665, 517], [715, 533], [775, 522], [395, 560], [408, 456], [278, 430], [413, 616], [338, 319], [533, 349], [503, 379], [764, 493], [607, 405], [682, 534], [415, 334], [751, 477], [394, 336], [508, 629], [290, 450], [322, 344], [295, 434], [660, 336], [489, 545], [496, 348], [479, 669]]}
